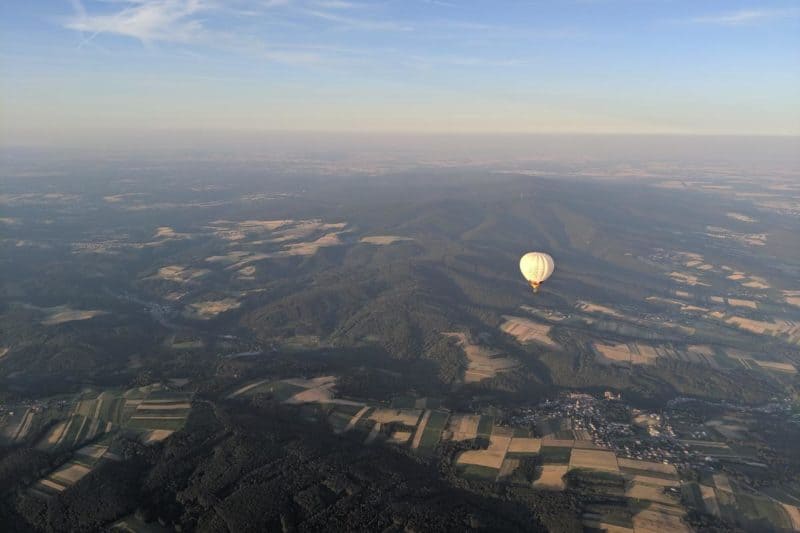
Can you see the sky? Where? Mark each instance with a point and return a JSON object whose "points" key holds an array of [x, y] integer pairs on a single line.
{"points": [[73, 68]]}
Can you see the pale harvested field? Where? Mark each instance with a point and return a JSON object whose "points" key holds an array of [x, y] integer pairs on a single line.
{"points": [[319, 381], [246, 272], [672, 184], [24, 427], [647, 354], [761, 327], [683, 305], [157, 435], [408, 417], [682, 294], [174, 296], [166, 232], [155, 417], [62, 314], [95, 451], [607, 528], [525, 330], [722, 482], [780, 367], [653, 481], [508, 467], [318, 390], [373, 434], [559, 443], [702, 349], [211, 308], [709, 499], [794, 515], [322, 394], [463, 427], [384, 239], [356, 418], [593, 459], [597, 308], [652, 520], [179, 274], [52, 484], [648, 492], [613, 352], [230, 257], [57, 432], [71, 472], [153, 406], [311, 248], [482, 362], [492, 456], [756, 282], [740, 217], [701, 354], [743, 303], [792, 297], [637, 354], [686, 279], [647, 465], [399, 437], [502, 431], [718, 299], [263, 225], [693, 309], [304, 228], [420, 429], [524, 445], [3, 351], [551, 477]]}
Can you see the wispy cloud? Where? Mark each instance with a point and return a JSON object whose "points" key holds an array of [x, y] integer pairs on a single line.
{"points": [[747, 16], [238, 27], [148, 21], [359, 23], [336, 4]]}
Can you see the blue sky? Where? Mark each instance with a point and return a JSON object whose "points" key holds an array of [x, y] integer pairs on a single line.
{"points": [[619, 66]]}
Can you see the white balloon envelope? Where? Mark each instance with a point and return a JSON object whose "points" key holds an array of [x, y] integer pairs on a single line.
{"points": [[536, 267]]}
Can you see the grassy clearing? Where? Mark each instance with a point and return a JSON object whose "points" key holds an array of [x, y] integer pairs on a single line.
{"points": [[478, 472]]}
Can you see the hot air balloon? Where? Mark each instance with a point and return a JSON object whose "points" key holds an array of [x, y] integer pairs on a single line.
{"points": [[536, 267]]}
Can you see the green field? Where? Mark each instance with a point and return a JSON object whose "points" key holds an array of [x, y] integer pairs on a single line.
{"points": [[522, 432], [485, 427], [648, 473], [757, 510], [478, 472], [339, 419], [433, 431], [403, 402], [690, 493], [154, 423], [557, 455]]}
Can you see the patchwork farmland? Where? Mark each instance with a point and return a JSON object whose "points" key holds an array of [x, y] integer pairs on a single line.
{"points": [[560, 461], [151, 413]]}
